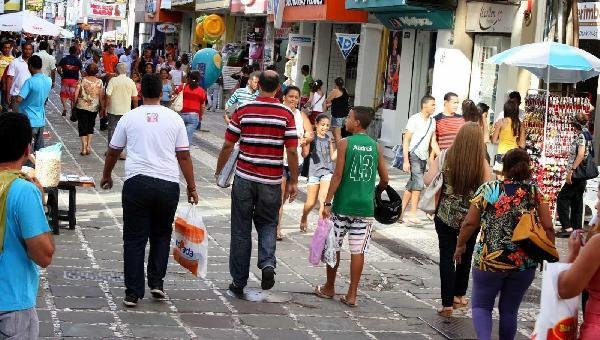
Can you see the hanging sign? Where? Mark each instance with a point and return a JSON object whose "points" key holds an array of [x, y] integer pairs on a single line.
{"points": [[589, 20], [346, 42], [490, 17], [278, 6], [290, 3], [166, 28], [300, 40], [106, 11]]}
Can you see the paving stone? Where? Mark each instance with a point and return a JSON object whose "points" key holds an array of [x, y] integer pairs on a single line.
{"points": [[180, 294], [44, 315], [80, 303], [247, 307], [80, 291], [162, 332], [207, 321], [46, 329], [328, 323], [140, 318], [81, 317], [404, 336], [85, 331], [268, 321], [199, 306], [220, 334], [281, 334], [337, 335]]}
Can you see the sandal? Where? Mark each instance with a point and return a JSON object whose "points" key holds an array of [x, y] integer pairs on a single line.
{"points": [[279, 237], [344, 300], [303, 227], [460, 303], [322, 295], [445, 312], [414, 221]]}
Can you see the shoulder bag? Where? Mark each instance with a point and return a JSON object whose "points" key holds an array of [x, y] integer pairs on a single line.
{"points": [[398, 150], [430, 196], [531, 236], [177, 101], [587, 169]]}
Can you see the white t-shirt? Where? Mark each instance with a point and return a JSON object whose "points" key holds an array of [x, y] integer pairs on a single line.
{"points": [[152, 134], [18, 68], [177, 76], [501, 115], [317, 102], [420, 127], [126, 59], [299, 121]]}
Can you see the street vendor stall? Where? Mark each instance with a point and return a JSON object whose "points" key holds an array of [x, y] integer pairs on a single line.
{"points": [[27, 22]]}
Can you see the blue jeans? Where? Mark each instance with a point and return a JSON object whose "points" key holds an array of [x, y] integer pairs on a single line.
{"points": [[149, 206], [258, 203], [417, 170], [191, 121]]}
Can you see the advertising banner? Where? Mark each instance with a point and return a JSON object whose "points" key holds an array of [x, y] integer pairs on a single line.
{"points": [[106, 11], [589, 20], [11, 6], [346, 42], [300, 40], [490, 17], [392, 72]]}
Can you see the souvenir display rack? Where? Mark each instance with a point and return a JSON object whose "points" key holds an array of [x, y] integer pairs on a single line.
{"points": [[549, 138]]}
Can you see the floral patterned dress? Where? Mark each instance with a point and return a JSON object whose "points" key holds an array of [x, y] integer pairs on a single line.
{"points": [[501, 203]]}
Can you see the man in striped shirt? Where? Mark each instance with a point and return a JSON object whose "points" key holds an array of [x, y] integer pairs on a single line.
{"points": [[263, 128], [447, 124], [242, 96]]}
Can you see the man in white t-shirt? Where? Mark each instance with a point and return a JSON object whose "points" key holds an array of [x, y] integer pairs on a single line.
{"points": [[417, 138], [157, 148], [126, 59], [18, 73]]}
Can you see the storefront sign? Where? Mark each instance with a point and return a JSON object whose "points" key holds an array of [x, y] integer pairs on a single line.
{"points": [[490, 17], [166, 28], [589, 20], [423, 20], [300, 40], [291, 3], [106, 11], [346, 42], [10, 6]]}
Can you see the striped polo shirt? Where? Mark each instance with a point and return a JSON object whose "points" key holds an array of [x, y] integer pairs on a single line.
{"points": [[263, 127], [446, 129], [241, 97]]}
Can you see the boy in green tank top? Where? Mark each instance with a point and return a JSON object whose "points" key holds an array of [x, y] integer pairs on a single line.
{"points": [[353, 185]]}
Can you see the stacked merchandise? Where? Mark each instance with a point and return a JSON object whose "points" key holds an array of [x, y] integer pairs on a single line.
{"points": [[549, 151]]}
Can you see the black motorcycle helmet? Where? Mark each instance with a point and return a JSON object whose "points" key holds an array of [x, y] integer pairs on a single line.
{"points": [[387, 211]]}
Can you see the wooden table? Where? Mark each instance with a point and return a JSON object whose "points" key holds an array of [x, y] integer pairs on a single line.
{"points": [[55, 215]]}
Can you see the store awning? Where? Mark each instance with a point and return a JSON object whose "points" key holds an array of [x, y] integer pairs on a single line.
{"points": [[409, 14]]}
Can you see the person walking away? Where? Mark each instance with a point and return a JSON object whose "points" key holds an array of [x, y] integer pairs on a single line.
{"points": [[447, 124], [256, 193], [471, 113], [156, 144], [25, 238], [126, 59], [508, 133], [465, 169], [418, 135], [242, 96], [5, 59], [167, 88], [18, 73], [352, 189], [121, 96], [214, 93], [291, 98], [500, 266], [48, 61], [69, 69], [338, 101], [194, 98], [177, 75], [307, 85], [320, 171], [484, 110], [32, 98], [89, 102], [569, 202], [316, 100]]}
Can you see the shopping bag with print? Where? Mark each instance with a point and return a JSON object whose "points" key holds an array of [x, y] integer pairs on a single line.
{"points": [[317, 244], [558, 317], [190, 241], [329, 253]]}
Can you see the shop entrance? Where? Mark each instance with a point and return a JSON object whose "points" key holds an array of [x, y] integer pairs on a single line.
{"points": [[422, 75]]}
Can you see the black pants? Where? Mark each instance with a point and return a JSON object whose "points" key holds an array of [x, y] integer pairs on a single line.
{"points": [[569, 204], [454, 279], [86, 120], [149, 206]]}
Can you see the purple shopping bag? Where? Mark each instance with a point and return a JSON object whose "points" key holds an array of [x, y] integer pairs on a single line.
{"points": [[317, 244]]}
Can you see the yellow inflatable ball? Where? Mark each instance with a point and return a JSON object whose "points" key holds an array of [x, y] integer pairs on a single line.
{"points": [[213, 26], [199, 32]]}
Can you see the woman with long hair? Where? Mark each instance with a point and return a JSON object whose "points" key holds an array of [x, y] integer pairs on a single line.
{"points": [[472, 113], [194, 98], [291, 99], [89, 97], [338, 101], [484, 109], [316, 100], [500, 266], [167, 87], [508, 133], [464, 169]]}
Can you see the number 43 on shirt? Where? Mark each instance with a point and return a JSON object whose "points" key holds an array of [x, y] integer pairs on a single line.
{"points": [[361, 168]]}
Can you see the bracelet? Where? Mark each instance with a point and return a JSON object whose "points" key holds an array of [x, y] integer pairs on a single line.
{"points": [[327, 204]]}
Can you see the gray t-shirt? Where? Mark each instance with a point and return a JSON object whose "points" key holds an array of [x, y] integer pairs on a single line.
{"points": [[320, 158], [577, 142]]}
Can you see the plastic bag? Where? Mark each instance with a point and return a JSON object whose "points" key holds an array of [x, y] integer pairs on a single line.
{"points": [[558, 317], [190, 241], [329, 253], [317, 244], [226, 174], [47, 165]]}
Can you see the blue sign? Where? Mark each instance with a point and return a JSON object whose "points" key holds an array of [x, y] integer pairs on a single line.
{"points": [[346, 42]]}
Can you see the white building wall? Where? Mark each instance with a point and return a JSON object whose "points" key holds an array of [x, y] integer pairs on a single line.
{"points": [[337, 63], [305, 53], [370, 42], [322, 47]]}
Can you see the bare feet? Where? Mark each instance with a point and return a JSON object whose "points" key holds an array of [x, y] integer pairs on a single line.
{"points": [[303, 227]]}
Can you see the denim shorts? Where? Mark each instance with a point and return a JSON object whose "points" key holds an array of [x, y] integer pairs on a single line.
{"points": [[417, 169], [319, 179], [337, 122]]}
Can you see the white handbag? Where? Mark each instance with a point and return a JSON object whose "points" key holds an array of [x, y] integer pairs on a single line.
{"points": [[177, 102], [430, 196]]}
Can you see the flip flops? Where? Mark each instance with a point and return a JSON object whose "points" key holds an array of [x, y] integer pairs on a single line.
{"points": [[345, 301], [320, 294]]}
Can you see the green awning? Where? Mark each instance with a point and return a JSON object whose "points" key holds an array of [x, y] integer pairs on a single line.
{"points": [[417, 19]]}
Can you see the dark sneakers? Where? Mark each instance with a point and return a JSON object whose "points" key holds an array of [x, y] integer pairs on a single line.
{"points": [[158, 293], [130, 300], [268, 278], [235, 289]]}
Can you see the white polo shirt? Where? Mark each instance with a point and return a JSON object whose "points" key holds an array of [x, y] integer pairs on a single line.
{"points": [[20, 71], [48, 62], [152, 135]]}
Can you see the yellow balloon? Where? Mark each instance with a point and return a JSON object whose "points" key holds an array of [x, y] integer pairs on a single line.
{"points": [[199, 32], [213, 26]]}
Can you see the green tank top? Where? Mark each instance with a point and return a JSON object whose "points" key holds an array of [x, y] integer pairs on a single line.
{"points": [[356, 193]]}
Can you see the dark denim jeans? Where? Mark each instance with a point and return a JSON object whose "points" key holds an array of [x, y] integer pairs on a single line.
{"points": [[38, 138], [454, 280], [149, 206], [258, 203], [569, 204]]}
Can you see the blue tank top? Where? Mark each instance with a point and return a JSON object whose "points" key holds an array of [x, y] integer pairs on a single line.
{"points": [[166, 92]]}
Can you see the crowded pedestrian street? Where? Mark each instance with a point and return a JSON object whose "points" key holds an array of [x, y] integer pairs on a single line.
{"points": [[80, 293]]}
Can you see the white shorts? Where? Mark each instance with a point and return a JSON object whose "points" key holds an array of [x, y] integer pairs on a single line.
{"points": [[359, 231]]}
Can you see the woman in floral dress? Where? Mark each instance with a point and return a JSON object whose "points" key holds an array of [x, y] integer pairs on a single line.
{"points": [[500, 266]]}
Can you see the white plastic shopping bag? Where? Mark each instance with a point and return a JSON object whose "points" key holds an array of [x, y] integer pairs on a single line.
{"points": [[190, 241], [329, 253], [224, 179], [558, 317]]}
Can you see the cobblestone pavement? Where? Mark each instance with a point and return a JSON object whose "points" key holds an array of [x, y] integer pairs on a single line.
{"points": [[80, 293]]}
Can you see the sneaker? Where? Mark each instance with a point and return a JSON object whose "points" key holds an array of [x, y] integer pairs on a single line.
{"points": [[158, 293], [235, 289], [130, 300], [268, 278]]}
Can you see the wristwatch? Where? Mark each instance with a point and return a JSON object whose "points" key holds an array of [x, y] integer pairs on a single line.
{"points": [[327, 204]]}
